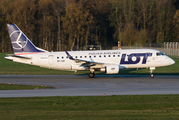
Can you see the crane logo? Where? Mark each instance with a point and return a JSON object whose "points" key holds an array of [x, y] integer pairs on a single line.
{"points": [[18, 40]]}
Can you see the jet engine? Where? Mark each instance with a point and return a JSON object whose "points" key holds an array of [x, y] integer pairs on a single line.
{"points": [[112, 69]]}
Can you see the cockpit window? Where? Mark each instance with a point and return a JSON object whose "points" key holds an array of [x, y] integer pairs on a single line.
{"points": [[159, 53], [162, 53]]}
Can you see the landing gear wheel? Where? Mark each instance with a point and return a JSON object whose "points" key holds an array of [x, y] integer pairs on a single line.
{"points": [[151, 75], [91, 75], [151, 70]]}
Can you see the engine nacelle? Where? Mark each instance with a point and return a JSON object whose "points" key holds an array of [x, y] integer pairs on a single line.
{"points": [[77, 67], [112, 69]]}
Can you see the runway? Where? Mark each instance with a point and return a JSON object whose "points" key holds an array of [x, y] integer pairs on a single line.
{"points": [[81, 85]]}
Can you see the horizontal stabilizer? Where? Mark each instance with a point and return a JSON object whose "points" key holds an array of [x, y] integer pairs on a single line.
{"points": [[17, 56]]}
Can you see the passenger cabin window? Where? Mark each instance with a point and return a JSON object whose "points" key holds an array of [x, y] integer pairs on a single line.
{"points": [[80, 56], [113, 55], [62, 57]]}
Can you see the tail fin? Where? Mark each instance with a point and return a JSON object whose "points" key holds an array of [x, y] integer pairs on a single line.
{"points": [[20, 43]]}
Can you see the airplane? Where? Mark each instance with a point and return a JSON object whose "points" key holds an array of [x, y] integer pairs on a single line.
{"points": [[108, 61]]}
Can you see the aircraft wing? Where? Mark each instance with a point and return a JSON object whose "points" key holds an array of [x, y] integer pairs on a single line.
{"points": [[89, 63]]}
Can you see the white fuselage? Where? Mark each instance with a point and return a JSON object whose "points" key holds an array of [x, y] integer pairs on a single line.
{"points": [[129, 58]]}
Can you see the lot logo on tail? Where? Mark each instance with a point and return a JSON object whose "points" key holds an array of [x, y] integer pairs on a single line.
{"points": [[19, 41]]}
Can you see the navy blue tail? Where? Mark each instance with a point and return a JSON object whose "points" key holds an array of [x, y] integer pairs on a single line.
{"points": [[20, 43]]}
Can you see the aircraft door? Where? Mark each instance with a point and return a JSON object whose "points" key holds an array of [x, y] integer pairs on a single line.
{"points": [[50, 59], [148, 57]]}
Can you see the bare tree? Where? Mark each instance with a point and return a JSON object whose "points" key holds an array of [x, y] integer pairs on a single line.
{"points": [[58, 8]]}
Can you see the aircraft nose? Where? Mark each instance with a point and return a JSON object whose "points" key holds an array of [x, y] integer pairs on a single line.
{"points": [[171, 61]]}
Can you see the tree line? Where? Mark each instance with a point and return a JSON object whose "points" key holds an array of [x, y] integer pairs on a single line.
{"points": [[57, 25]]}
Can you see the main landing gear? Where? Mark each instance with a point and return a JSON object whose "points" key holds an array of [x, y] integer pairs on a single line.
{"points": [[151, 70], [91, 75]]}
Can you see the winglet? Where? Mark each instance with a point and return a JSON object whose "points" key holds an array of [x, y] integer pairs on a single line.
{"points": [[69, 56]]}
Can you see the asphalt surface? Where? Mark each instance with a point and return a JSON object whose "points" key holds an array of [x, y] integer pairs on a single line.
{"points": [[80, 85]]}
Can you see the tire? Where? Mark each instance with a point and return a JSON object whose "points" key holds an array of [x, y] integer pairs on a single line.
{"points": [[151, 75], [91, 75]]}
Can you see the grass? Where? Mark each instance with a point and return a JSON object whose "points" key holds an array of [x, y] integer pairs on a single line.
{"points": [[13, 68], [21, 87], [162, 107]]}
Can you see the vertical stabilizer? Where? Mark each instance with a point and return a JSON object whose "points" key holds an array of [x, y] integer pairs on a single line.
{"points": [[20, 43]]}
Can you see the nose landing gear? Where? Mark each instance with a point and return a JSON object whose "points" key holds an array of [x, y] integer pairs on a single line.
{"points": [[151, 70], [151, 75]]}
